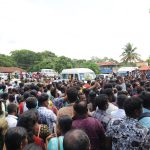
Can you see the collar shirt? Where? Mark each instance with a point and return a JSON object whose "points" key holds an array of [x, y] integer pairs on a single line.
{"points": [[128, 134], [47, 117], [93, 129], [102, 116], [120, 113]]}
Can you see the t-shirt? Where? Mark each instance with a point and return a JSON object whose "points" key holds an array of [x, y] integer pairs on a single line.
{"points": [[55, 142]]}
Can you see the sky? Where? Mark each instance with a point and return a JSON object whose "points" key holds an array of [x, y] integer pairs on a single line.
{"points": [[75, 28]]}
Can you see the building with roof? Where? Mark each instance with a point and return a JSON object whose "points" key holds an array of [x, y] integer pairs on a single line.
{"points": [[108, 67], [10, 69]]}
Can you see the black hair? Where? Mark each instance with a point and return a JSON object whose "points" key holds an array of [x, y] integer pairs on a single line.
{"points": [[132, 104], [19, 99], [33, 93], [110, 94], [28, 120], [139, 90], [119, 88], [102, 101], [76, 140], [4, 96], [148, 89], [26, 95], [123, 92], [11, 108], [42, 98], [21, 85], [53, 92], [49, 86], [80, 107], [72, 94], [26, 88], [120, 100], [11, 97], [14, 138], [65, 123], [108, 85], [31, 102], [145, 96]]}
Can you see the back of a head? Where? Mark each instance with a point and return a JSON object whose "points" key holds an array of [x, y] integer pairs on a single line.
{"points": [[4, 96], [72, 94], [145, 96], [11, 97], [119, 88], [133, 107], [28, 119], [108, 92], [120, 100], [42, 98], [76, 140], [12, 108], [108, 85], [33, 93], [26, 95], [31, 102], [80, 107], [102, 101], [15, 138], [65, 123], [123, 93]]}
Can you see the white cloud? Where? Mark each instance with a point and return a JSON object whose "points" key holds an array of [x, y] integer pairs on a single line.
{"points": [[75, 28]]}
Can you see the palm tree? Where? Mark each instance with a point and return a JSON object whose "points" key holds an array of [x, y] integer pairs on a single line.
{"points": [[129, 54], [148, 60]]}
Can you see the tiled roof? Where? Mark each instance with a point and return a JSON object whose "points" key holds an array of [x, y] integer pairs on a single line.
{"points": [[10, 69], [144, 68], [107, 64]]}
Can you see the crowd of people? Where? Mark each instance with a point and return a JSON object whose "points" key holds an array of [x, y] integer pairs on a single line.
{"points": [[75, 115]]}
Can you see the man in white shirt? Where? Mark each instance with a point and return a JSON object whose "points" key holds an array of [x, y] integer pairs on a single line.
{"points": [[120, 113], [12, 118]]}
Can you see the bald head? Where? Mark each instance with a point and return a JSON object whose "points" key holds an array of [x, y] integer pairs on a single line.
{"points": [[80, 107], [76, 140]]}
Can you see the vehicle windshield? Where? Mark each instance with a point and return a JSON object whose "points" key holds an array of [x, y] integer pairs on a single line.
{"points": [[87, 76]]}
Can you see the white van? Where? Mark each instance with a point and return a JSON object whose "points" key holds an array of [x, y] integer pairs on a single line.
{"points": [[78, 73], [124, 71], [49, 72]]}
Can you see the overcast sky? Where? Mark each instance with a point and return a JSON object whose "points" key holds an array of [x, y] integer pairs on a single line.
{"points": [[75, 28]]}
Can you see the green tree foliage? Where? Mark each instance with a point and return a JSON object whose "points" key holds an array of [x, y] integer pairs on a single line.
{"points": [[78, 63], [129, 54], [25, 58], [63, 63], [32, 61], [47, 55], [6, 61], [93, 66]]}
